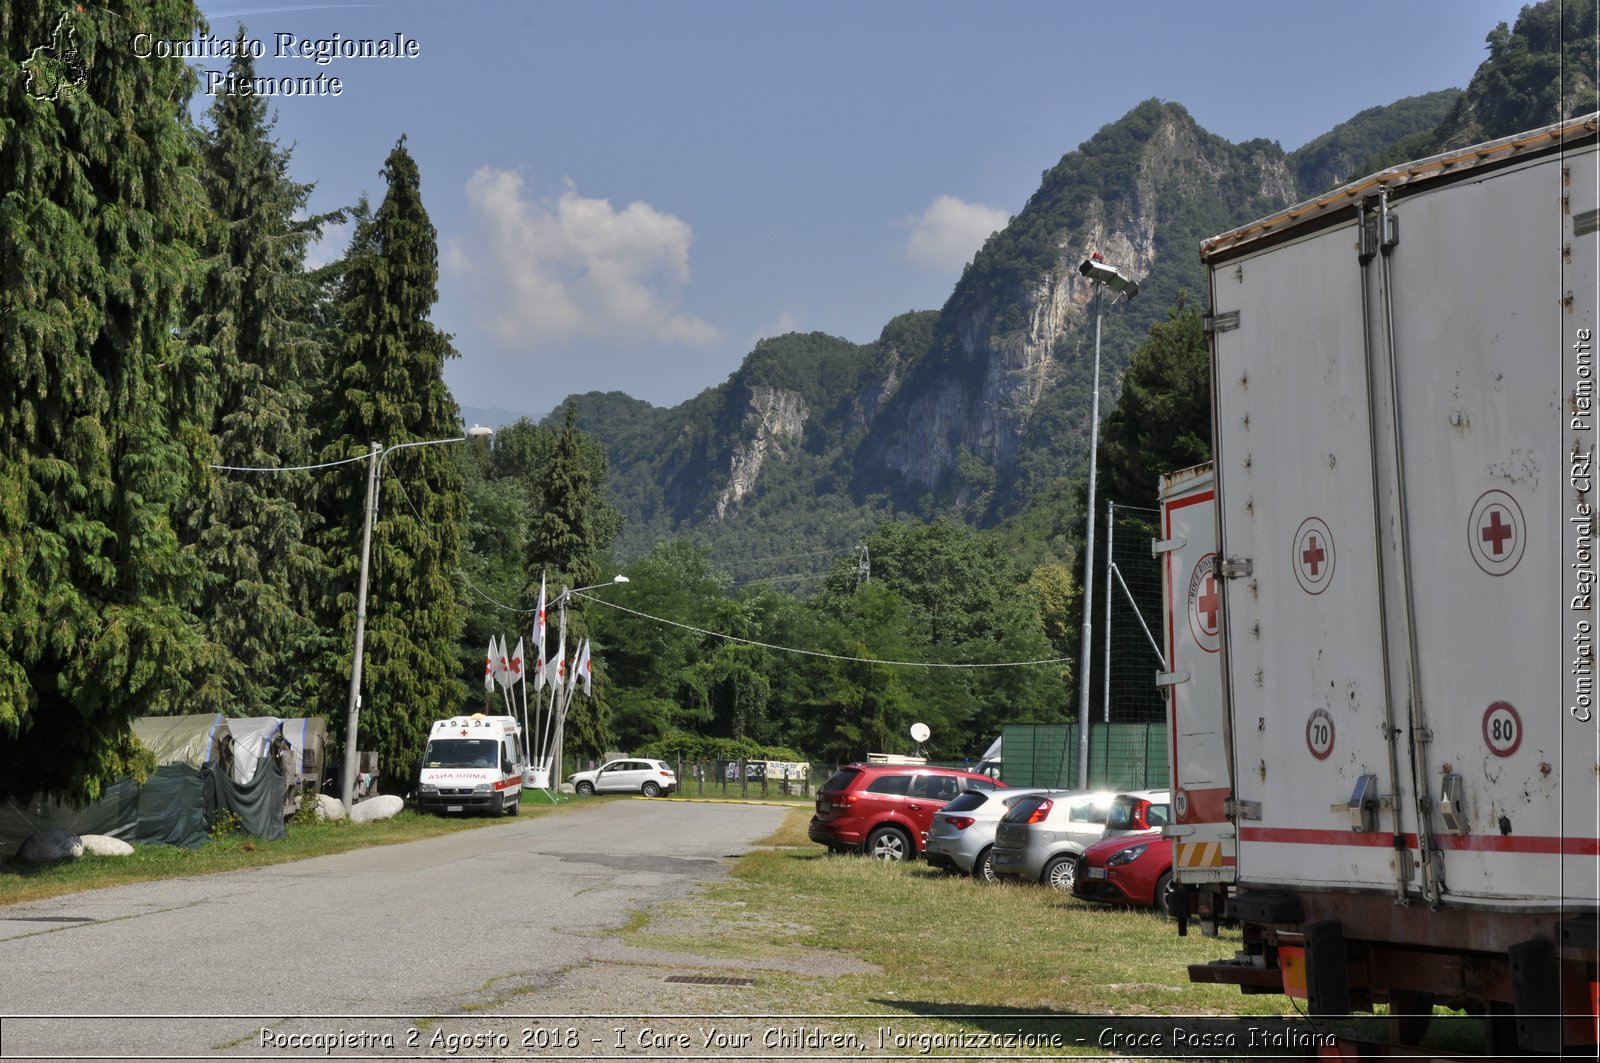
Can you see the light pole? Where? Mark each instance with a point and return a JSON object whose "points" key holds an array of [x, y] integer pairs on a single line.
{"points": [[561, 603], [353, 711], [1102, 276]]}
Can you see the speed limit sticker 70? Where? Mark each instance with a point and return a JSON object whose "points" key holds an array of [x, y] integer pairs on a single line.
{"points": [[1502, 729], [1319, 734]]}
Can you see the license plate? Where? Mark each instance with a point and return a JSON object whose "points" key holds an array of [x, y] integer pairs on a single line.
{"points": [[452, 808], [1097, 872], [824, 807]]}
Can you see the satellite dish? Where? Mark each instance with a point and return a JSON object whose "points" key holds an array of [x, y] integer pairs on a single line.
{"points": [[920, 732]]}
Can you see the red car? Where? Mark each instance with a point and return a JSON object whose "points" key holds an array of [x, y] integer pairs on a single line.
{"points": [[885, 810], [1133, 869]]}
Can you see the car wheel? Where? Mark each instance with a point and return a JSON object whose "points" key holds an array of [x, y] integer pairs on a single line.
{"points": [[1061, 873], [651, 789], [983, 867], [516, 806], [889, 843], [586, 788], [1166, 895]]}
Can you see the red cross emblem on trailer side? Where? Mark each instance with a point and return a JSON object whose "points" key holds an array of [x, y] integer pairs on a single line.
{"points": [[1205, 605], [1313, 555], [1496, 532]]}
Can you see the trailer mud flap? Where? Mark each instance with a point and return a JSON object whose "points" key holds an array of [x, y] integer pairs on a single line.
{"points": [[1536, 993], [1327, 970]]}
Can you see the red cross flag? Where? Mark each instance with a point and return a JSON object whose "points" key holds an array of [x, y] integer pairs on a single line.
{"points": [[502, 665], [538, 640], [516, 662], [488, 667], [581, 668]]}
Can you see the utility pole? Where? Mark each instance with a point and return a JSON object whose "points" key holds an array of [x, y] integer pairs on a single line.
{"points": [[353, 712]]}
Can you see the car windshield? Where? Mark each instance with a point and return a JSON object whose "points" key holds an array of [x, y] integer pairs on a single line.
{"points": [[841, 779], [462, 753], [1124, 815]]}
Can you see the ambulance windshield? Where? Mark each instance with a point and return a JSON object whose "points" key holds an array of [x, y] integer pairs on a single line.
{"points": [[462, 753]]}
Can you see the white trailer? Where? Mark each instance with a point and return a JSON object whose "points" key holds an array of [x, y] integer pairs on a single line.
{"points": [[1204, 838], [1404, 426]]}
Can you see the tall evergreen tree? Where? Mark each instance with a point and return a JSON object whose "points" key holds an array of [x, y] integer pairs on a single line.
{"points": [[387, 386], [252, 314], [104, 414]]}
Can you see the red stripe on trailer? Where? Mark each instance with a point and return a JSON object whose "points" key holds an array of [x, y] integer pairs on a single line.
{"points": [[1303, 836], [1483, 843]]}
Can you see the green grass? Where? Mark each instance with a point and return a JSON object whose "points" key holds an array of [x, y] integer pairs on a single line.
{"points": [[307, 839]]}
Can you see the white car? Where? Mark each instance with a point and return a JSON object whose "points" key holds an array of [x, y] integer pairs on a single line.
{"points": [[634, 775]]}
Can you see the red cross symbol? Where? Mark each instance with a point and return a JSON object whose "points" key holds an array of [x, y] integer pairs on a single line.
{"points": [[1313, 555], [1207, 603], [1495, 533], [463, 732]]}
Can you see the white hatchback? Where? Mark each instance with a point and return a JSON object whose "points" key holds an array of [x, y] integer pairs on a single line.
{"points": [[634, 775]]}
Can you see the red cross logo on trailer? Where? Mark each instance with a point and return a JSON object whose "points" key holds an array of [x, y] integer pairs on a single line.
{"points": [[1205, 605], [1313, 556], [1496, 533]]}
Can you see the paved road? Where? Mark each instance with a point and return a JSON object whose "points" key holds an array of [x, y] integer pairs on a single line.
{"points": [[434, 927]]}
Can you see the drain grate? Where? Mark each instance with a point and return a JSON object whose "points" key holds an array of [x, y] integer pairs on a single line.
{"points": [[700, 979]]}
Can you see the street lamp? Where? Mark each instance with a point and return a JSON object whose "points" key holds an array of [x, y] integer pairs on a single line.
{"points": [[1102, 276], [353, 712]]}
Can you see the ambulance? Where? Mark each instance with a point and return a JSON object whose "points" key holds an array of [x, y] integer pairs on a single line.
{"points": [[473, 764]]}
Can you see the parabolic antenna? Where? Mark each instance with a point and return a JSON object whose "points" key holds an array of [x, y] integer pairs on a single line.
{"points": [[920, 732]]}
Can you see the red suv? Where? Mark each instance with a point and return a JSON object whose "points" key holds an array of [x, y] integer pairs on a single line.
{"points": [[885, 810]]}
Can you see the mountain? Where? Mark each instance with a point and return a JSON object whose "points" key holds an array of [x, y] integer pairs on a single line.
{"points": [[974, 410], [1539, 71]]}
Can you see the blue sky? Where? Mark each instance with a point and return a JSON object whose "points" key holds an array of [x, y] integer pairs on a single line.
{"points": [[629, 195]]}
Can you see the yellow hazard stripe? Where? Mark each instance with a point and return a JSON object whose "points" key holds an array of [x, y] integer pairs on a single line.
{"points": [[1200, 854]]}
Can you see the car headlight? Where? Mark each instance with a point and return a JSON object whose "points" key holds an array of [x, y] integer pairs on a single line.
{"points": [[427, 788], [482, 788], [1127, 856]]}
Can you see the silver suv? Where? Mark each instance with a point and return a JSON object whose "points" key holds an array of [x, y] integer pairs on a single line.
{"points": [[1041, 837]]}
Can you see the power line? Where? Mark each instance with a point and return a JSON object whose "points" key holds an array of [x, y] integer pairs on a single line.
{"points": [[288, 468], [819, 653]]}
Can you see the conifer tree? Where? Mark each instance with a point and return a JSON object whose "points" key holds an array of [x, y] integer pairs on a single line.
{"points": [[387, 387], [252, 314], [104, 411]]}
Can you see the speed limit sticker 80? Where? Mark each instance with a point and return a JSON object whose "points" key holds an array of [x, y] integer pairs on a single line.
{"points": [[1502, 729]]}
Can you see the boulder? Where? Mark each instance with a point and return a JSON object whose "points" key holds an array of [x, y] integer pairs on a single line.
{"points": [[50, 846], [330, 807], [376, 808], [105, 845]]}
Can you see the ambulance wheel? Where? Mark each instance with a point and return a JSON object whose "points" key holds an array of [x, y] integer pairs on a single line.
{"points": [[651, 789], [516, 806]]}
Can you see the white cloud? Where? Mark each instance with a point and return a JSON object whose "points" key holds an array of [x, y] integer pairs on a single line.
{"points": [[331, 245], [551, 271], [782, 325], [946, 235]]}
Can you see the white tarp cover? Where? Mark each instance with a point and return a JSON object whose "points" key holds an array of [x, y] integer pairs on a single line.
{"points": [[993, 752], [252, 740], [308, 737], [193, 740]]}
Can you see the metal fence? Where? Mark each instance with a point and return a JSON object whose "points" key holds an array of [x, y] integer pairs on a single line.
{"points": [[1122, 756]]}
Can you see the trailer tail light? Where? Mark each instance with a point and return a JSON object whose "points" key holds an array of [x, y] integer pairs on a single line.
{"points": [[1041, 812], [1292, 968]]}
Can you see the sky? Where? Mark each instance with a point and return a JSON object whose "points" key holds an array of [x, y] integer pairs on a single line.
{"points": [[629, 195]]}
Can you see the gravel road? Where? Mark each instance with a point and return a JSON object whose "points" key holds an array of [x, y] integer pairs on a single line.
{"points": [[342, 955]]}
